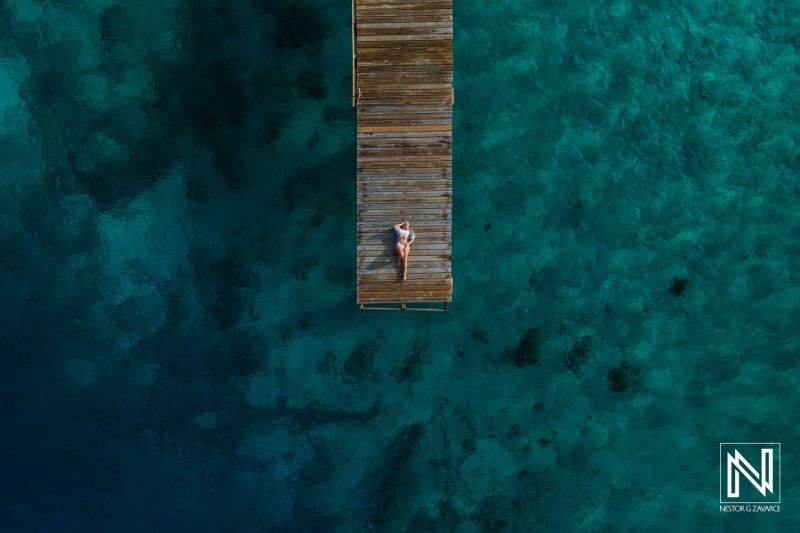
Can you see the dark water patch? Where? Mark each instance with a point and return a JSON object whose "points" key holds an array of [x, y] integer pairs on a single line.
{"points": [[296, 323], [311, 416], [493, 514], [340, 113], [344, 276], [301, 269], [325, 186], [624, 378], [323, 466], [481, 335], [328, 364], [527, 352], [579, 353], [468, 445], [242, 353], [221, 276], [396, 474], [678, 286], [443, 519], [413, 367], [302, 185], [300, 24], [359, 366], [118, 24], [312, 82], [317, 219]]}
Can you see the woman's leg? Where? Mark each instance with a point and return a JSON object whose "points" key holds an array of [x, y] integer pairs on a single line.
{"points": [[400, 252], [405, 260]]}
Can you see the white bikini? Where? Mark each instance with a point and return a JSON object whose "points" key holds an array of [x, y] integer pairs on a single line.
{"points": [[405, 232]]}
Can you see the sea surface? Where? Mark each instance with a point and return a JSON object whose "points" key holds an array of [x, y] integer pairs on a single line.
{"points": [[180, 344]]}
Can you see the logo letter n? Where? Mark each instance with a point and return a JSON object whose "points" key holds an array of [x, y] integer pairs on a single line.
{"points": [[738, 464]]}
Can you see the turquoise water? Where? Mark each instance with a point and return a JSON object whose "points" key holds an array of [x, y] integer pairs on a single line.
{"points": [[181, 342]]}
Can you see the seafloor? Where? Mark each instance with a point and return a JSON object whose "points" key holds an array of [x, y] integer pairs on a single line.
{"points": [[181, 346]]}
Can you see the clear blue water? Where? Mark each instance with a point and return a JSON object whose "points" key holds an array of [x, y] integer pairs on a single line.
{"points": [[182, 350]]}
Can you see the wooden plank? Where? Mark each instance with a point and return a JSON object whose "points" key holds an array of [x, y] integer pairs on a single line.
{"points": [[400, 6], [395, 2], [419, 285], [407, 60], [406, 71], [375, 17], [403, 104], [404, 164], [374, 129], [421, 228], [390, 150], [422, 277], [393, 154], [390, 146], [406, 195], [404, 85], [405, 294], [407, 119], [419, 267], [420, 219], [407, 101], [422, 208], [388, 256], [390, 248], [378, 189], [421, 37], [404, 300], [419, 141], [384, 225], [367, 235], [445, 178], [392, 157], [402, 80], [403, 25], [405, 204], [405, 182], [377, 91], [382, 238], [406, 179], [433, 264], [380, 281], [422, 257], [405, 289], [373, 113], [390, 265], [417, 270], [398, 135], [384, 279], [368, 13], [411, 44], [401, 213], [434, 172], [416, 70]]}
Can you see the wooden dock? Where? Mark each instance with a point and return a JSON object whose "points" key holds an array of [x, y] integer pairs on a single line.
{"points": [[403, 95]]}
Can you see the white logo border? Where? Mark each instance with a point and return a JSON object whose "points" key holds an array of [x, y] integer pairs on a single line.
{"points": [[755, 444]]}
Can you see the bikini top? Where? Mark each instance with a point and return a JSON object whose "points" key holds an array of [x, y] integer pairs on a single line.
{"points": [[407, 232]]}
